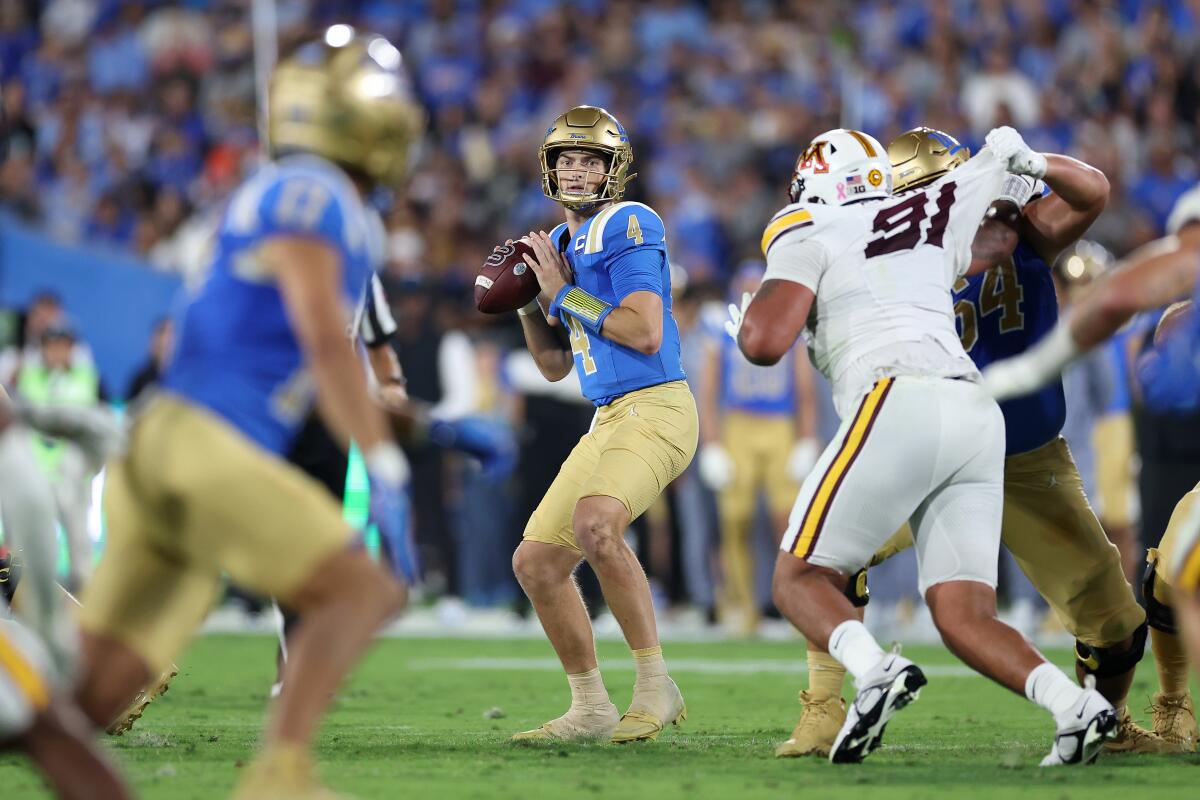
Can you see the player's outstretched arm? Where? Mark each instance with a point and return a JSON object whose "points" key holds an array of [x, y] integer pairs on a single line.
{"points": [[1080, 192], [773, 320], [1154, 276], [308, 274]]}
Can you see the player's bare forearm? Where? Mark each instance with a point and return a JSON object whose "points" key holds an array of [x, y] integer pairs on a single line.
{"points": [[1080, 192], [1153, 277], [774, 319], [995, 240], [549, 346], [636, 323], [710, 390], [308, 274]]}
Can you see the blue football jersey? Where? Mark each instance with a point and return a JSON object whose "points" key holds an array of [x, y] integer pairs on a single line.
{"points": [[769, 391], [1001, 313], [236, 354], [620, 250]]}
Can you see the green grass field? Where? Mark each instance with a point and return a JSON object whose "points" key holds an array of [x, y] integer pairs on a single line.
{"points": [[414, 723]]}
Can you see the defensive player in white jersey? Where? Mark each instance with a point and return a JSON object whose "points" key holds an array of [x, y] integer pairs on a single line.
{"points": [[38, 647], [870, 284]]}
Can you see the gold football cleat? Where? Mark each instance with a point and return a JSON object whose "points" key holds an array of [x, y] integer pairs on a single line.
{"points": [[1132, 738], [1175, 720], [585, 723], [282, 773], [138, 706], [823, 716], [649, 712]]}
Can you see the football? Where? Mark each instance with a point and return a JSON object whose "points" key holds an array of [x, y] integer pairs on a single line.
{"points": [[505, 282]]}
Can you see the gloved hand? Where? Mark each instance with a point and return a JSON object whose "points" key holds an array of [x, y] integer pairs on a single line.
{"points": [[1008, 146], [490, 442], [1020, 189], [716, 467], [388, 471], [802, 459], [737, 315]]}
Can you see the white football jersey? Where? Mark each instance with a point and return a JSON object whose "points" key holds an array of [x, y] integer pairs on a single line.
{"points": [[882, 271]]}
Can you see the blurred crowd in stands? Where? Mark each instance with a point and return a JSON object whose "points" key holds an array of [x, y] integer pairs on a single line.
{"points": [[128, 123]]}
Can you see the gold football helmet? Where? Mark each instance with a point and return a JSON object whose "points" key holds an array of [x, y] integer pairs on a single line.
{"points": [[923, 155], [346, 97], [595, 130]]}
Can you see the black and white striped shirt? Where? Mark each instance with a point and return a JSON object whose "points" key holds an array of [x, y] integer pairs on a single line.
{"points": [[373, 319]]}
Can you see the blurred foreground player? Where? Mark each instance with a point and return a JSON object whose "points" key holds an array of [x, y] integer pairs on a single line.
{"points": [[1160, 273], [604, 310], [204, 488], [38, 652], [1048, 524], [919, 441]]}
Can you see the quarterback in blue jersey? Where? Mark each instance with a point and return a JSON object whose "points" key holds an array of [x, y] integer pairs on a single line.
{"points": [[1163, 272], [1006, 305], [604, 311], [204, 488]]}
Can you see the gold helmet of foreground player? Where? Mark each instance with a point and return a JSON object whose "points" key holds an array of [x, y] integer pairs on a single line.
{"points": [[923, 155], [595, 130], [346, 97]]}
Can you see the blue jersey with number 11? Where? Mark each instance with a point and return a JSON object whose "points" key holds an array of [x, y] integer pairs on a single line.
{"points": [[1002, 313], [620, 250], [236, 353]]}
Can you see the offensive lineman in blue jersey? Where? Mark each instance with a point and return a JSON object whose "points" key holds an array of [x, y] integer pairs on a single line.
{"points": [[1162, 272], [605, 280], [203, 488], [1048, 524]]}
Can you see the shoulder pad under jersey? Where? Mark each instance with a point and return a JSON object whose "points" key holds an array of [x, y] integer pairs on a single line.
{"points": [[625, 226], [795, 220]]}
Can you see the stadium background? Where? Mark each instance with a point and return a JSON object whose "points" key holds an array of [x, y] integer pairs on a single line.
{"points": [[128, 124]]}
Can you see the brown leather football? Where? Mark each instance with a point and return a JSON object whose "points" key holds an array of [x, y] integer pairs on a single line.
{"points": [[505, 282]]}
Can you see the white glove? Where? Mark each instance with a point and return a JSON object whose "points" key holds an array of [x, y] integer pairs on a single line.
{"points": [[716, 467], [1008, 146], [803, 458], [736, 315], [1019, 189]]}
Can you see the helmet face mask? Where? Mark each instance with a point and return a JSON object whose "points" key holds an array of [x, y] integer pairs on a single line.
{"points": [[591, 130], [922, 155], [346, 98], [838, 167]]}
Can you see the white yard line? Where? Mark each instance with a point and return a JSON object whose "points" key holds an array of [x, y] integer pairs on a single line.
{"points": [[774, 666]]}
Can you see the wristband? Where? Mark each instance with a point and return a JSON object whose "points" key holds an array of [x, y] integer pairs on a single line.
{"points": [[587, 308], [529, 308], [385, 463]]}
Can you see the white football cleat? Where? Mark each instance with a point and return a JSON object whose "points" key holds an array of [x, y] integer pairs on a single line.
{"points": [[890, 686], [1083, 730]]}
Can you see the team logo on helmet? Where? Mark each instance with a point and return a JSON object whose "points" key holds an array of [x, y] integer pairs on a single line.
{"points": [[875, 177]]}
